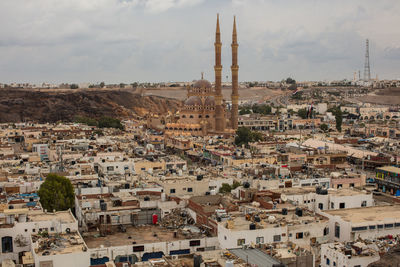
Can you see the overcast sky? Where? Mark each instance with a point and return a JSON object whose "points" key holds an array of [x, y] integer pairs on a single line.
{"points": [[173, 40]]}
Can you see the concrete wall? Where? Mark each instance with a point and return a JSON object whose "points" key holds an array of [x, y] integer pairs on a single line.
{"points": [[165, 247], [342, 260]]}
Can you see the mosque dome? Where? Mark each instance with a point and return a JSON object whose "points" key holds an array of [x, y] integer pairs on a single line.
{"points": [[202, 84], [210, 101], [193, 101]]}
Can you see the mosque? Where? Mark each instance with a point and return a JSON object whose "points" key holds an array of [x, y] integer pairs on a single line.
{"points": [[204, 111]]}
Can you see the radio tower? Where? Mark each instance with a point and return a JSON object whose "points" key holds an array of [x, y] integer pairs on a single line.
{"points": [[367, 70]]}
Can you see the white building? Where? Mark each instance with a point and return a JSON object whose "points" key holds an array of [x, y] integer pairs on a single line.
{"points": [[326, 199], [367, 223], [17, 225], [275, 227], [68, 249], [348, 255]]}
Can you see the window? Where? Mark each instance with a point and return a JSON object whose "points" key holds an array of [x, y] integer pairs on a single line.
{"points": [[321, 206], [26, 230], [337, 230], [328, 262], [332, 205], [142, 169], [190, 189], [361, 228], [397, 225], [52, 229], [172, 190], [138, 248], [364, 203], [33, 230], [334, 263], [299, 235], [110, 168], [339, 186], [342, 205], [240, 242], [380, 226], [371, 227], [277, 238], [389, 225], [225, 237], [326, 230], [260, 240], [6, 244], [194, 243]]}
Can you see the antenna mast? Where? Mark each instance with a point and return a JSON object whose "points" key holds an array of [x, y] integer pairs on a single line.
{"points": [[367, 70]]}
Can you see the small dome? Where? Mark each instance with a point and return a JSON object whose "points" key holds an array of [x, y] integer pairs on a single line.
{"points": [[202, 84], [209, 101], [193, 101]]}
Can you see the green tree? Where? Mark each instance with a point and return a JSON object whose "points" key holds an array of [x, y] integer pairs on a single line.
{"points": [[56, 193], [225, 188], [338, 117], [244, 111], [324, 127], [108, 122], [339, 120], [261, 109], [302, 113], [74, 86], [86, 120], [290, 81], [245, 135], [102, 84], [121, 85], [236, 184], [292, 87]]}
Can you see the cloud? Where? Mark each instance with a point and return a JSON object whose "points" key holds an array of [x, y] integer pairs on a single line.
{"points": [[161, 40]]}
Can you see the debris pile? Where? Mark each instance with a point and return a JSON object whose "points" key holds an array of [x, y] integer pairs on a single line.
{"points": [[176, 219]]}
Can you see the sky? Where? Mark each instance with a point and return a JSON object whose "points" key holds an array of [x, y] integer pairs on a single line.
{"points": [[117, 41]]}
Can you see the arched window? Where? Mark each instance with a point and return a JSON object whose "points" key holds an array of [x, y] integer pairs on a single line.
{"points": [[191, 116], [207, 116], [183, 116], [200, 116]]}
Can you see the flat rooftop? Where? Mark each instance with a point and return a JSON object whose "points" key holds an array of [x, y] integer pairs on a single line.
{"points": [[63, 216], [306, 190], [60, 244], [368, 214], [255, 256], [140, 235], [390, 169], [239, 222]]}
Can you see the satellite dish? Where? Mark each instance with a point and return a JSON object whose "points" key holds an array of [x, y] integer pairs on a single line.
{"points": [[283, 197]]}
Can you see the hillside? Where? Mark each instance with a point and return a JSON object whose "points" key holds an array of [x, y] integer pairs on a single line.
{"points": [[63, 105]]}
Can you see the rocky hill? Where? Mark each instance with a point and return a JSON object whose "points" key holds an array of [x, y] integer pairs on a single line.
{"points": [[18, 105]]}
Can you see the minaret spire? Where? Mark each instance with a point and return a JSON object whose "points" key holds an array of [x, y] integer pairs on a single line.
{"points": [[219, 110], [235, 82]]}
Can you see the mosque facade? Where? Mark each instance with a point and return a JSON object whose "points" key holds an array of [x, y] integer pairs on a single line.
{"points": [[205, 111]]}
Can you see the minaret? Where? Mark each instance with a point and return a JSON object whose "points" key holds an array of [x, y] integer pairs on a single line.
{"points": [[219, 111], [235, 83]]}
